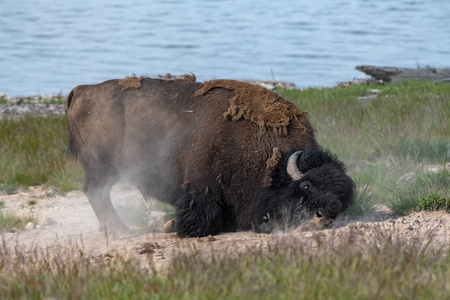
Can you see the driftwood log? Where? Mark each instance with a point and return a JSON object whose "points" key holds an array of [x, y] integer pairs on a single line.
{"points": [[393, 74]]}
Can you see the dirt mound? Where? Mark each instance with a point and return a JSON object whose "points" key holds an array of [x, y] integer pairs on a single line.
{"points": [[257, 104]]}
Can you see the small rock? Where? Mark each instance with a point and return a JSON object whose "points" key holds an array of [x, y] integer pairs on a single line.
{"points": [[170, 226], [30, 226]]}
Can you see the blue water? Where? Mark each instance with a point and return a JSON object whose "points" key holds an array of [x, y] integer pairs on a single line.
{"points": [[49, 47]]}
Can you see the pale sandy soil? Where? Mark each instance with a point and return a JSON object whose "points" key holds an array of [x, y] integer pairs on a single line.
{"points": [[68, 222]]}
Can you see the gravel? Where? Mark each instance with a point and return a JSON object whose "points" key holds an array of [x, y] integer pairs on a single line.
{"points": [[14, 108]]}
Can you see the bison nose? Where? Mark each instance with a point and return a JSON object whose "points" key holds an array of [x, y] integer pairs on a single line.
{"points": [[318, 222], [321, 221]]}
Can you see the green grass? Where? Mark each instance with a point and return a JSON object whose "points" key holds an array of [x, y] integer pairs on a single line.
{"points": [[403, 198], [364, 203], [402, 131], [12, 223], [384, 267], [33, 152], [434, 201]]}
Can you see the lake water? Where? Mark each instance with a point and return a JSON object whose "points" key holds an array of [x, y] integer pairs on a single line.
{"points": [[49, 47]]}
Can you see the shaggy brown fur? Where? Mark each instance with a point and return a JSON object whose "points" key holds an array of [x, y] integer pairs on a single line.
{"points": [[257, 104]]}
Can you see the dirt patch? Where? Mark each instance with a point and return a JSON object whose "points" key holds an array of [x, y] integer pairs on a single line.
{"points": [[257, 104], [69, 221]]}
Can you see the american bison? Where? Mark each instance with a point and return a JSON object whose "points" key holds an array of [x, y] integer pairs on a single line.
{"points": [[227, 154]]}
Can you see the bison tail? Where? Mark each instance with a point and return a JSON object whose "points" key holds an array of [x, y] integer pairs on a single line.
{"points": [[71, 151], [69, 98]]}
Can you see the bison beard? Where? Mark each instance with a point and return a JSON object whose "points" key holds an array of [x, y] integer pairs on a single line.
{"points": [[176, 142]]}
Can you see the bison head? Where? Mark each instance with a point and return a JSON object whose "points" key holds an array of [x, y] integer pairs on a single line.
{"points": [[312, 183]]}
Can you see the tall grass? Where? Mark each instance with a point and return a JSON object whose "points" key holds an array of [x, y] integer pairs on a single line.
{"points": [[10, 222], [384, 267], [401, 131], [33, 152]]}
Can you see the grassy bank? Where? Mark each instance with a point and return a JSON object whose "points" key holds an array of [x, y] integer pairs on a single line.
{"points": [[33, 152], [382, 268], [402, 131], [405, 130]]}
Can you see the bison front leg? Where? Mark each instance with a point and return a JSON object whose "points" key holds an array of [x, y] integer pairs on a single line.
{"points": [[198, 213], [97, 189]]}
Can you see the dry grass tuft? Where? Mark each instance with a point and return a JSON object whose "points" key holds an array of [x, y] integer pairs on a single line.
{"points": [[382, 266]]}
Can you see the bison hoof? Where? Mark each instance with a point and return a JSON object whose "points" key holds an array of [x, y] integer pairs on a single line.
{"points": [[170, 226]]}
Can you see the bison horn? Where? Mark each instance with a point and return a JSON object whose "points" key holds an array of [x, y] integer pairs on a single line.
{"points": [[292, 168]]}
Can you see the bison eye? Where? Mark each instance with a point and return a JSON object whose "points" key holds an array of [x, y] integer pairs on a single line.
{"points": [[305, 186]]}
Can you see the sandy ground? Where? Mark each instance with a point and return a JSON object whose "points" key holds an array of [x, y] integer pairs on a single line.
{"points": [[69, 221]]}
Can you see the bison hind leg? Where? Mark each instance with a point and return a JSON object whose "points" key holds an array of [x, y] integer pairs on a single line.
{"points": [[198, 213], [97, 187]]}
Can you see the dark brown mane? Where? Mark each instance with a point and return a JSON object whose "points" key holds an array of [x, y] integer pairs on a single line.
{"points": [[257, 104]]}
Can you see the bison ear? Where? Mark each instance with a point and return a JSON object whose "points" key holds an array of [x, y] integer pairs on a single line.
{"points": [[312, 158]]}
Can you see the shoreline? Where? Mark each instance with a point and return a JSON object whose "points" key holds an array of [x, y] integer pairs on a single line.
{"points": [[15, 107]]}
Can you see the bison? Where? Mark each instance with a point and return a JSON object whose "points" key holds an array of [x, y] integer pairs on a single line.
{"points": [[227, 154]]}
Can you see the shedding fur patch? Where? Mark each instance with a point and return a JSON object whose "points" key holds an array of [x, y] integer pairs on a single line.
{"points": [[131, 82], [272, 163], [257, 104], [136, 82], [271, 166]]}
